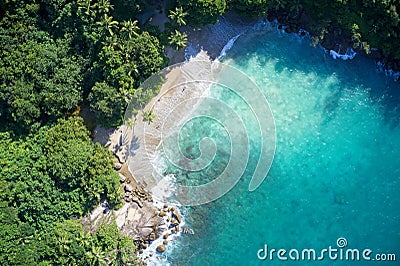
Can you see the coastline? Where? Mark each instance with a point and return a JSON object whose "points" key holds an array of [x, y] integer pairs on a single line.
{"points": [[146, 137], [208, 39], [210, 43]]}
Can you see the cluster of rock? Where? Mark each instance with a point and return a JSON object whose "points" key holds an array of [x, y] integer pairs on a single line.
{"points": [[138, 218], [135, 195], [170, 217]]}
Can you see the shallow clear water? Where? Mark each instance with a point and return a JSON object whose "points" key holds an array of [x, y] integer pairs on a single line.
{"points": [[336, 171]]}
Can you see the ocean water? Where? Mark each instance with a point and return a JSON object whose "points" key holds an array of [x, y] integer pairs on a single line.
{"points": [[336, 171]]}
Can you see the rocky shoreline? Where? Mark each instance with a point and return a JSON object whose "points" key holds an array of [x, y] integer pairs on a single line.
{"points": [[140, 218], [146, 219]]}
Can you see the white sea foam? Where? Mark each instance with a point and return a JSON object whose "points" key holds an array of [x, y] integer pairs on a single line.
{"points": [[350, 54], [228, 46]]}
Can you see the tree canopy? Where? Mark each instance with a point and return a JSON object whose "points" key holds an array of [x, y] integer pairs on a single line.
{"points": [[47, 178], [202, 12]]}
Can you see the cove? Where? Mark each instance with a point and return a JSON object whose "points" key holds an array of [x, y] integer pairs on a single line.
{"points": [[336, 170]]}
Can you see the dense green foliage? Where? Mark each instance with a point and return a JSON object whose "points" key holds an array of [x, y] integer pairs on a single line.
{"points": [[370, 23], [125, 62], [251, 8], [39, 79], [55, 53], [47, 178], [201, 12]]}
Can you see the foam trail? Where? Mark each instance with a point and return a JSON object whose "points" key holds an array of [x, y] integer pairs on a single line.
{"points": [[228, 46], [350, 54]]}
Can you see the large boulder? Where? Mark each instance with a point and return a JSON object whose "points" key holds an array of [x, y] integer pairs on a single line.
{"points": [[177, 215], [141, 222], [117, 166], [138, 202], [128, 188], [161, 248], [120, 215], [122, 178]]}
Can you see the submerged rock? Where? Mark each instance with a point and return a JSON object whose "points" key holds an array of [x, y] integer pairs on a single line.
{"points": [[161, 248]]}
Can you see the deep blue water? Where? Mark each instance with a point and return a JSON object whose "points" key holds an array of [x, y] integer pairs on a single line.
{"points": [[336, 171]]}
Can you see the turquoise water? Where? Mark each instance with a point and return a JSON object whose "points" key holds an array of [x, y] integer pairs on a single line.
{"points": [[336, 171]]}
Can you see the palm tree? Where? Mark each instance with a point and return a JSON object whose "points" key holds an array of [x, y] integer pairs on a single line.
{"points": [[84, 4], [130, 28], [63, 244], [83, 239], [108, 23], [132, 68], [104, 6], [111, 42], [177, 39], [177, 16], [148, 116]]}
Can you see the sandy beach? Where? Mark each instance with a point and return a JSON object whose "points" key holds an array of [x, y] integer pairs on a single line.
{"points": [[193, 63]]}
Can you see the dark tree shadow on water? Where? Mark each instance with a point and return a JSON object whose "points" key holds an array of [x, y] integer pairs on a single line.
{"points": [[382, 90]]}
